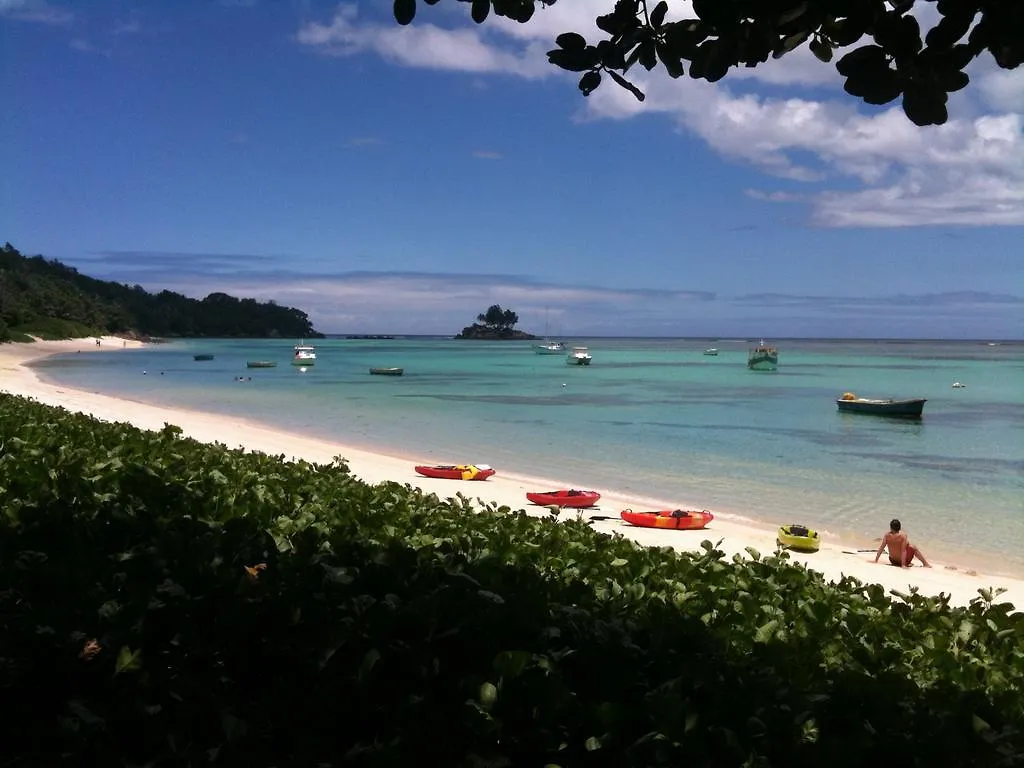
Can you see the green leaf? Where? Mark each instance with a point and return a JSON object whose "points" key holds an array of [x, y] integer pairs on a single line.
{"points": [[766, 631], [571, 41], [405, 11], [128, 661], [865, 60], [925, 106], [592, 744], [488, 695], [574, 60], [952, 81], [790, 43], [658, 14], [479, 10], [670, 60], [950, 29], [619, 562], [821, 49], [589, 82]]}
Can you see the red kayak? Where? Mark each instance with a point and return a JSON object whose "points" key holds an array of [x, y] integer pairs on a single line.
{"points": [[456, 471], [678, 519], [564, 498]]}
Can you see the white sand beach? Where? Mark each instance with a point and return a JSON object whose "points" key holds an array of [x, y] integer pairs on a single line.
{"points": [[960, 582]]}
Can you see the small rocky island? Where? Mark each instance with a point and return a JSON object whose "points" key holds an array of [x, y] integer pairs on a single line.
{"points": [[495, 323]]}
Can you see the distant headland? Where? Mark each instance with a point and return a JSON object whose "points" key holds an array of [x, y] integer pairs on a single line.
{"points": [[495, 324], [43, 298]]}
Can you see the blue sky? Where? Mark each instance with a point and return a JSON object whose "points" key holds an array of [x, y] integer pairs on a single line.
{"points": [[401, 180]]}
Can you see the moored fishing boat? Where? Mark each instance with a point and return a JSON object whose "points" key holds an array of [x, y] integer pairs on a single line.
{"points": [[565, 498], [763, 357], [202, 358], [387, 371], [456, 471], [909, 408], [676, 519], [260, 364]]}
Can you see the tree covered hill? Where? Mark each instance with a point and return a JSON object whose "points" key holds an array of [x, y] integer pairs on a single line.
{"points": [[44, 297]]}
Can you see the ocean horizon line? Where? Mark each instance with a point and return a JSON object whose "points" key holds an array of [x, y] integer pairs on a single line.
{"points": [[735, 339]]}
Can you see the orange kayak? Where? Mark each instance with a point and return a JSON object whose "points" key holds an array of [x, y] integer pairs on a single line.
{"points": [[669, 518], [565, 498], [456, 471]]}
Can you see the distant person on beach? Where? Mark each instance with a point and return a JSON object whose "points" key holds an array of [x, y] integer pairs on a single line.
{"points": [[901, 552]]}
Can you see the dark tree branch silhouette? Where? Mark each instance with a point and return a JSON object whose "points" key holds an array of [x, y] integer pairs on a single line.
{"points": [[894, 60]]}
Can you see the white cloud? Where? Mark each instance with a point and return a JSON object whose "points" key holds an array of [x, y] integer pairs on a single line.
{"points": [[420, 45], [968, 171], [35, 10], [1003, 89], [437, 303]]}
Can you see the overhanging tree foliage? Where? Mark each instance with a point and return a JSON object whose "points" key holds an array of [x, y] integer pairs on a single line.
{"points": [[895, 60]]}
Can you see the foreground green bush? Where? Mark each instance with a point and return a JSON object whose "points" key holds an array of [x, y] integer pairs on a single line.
{"points": [[165, 602]]}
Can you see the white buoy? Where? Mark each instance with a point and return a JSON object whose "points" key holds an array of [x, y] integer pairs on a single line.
{"points": [[563, 384], [302, 369]]}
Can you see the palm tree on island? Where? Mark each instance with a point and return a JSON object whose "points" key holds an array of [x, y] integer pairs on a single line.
{"points": [[495, 323]]}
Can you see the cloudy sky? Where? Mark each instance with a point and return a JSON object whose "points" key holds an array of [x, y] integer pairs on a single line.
{"points": [[401, 180]]}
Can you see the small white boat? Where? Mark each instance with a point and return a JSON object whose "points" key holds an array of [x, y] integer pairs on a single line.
{"points": [[711, 351], [549, 348], [958, 385], [578, 356], [305, 354]]}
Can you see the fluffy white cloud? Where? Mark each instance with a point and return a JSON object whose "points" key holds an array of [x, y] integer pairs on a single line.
{"points": [[969, 171]]}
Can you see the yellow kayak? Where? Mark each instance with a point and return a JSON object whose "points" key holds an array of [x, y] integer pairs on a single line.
{"points": [[798, 537]]}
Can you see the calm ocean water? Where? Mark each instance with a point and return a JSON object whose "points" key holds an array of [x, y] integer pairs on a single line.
{"points": [[653, 418]]}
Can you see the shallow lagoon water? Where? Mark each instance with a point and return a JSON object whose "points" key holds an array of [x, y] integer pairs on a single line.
{"points": [[652, 417]]}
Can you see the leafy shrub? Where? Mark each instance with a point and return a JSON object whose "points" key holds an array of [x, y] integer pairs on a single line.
{"points": [[167, 602]]}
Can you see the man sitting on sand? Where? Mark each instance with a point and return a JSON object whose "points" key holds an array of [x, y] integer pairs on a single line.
{"points": [[901, 552]]}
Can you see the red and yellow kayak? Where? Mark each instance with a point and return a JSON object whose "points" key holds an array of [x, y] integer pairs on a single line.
{"points": [[679, 519], [565, 498], [456, 471]]}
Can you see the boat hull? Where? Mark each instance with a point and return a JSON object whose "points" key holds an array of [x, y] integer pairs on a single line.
{"points": [[763, 362], [799, 538], [456, 471], [202, 358], [672, 519], [565, 498], [549, 349], [911, 408], [763, 357], [261, 364], [387, 371]]}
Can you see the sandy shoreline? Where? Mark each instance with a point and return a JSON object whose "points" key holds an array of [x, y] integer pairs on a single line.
{"points": [[504, 488]]}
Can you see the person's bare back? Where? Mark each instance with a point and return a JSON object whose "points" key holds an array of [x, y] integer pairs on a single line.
{"points": [[901, 551]]}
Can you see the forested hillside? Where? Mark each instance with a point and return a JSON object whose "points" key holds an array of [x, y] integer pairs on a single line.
{"points": [[45, 298]]}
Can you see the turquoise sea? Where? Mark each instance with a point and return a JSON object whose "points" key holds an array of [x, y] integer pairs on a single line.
{"points": [[653, 418]]}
